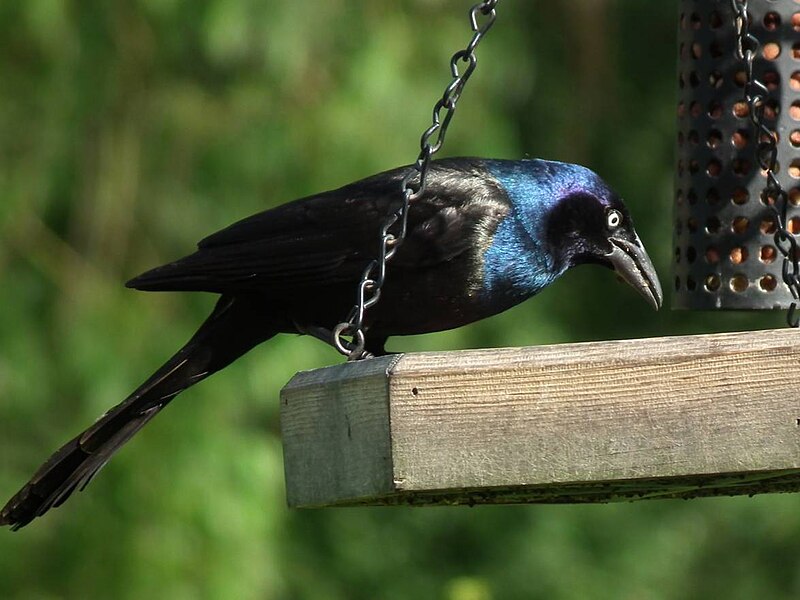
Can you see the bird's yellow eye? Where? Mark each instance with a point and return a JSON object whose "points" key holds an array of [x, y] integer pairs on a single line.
{"points": [[613, 219]]}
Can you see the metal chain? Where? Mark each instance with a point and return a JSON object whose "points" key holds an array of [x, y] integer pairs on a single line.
{"points": [[773, 195], [481, 17]]}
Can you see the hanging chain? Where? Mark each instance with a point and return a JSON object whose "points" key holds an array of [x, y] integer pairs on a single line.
{"points": [[773, 195], [412, 186]]}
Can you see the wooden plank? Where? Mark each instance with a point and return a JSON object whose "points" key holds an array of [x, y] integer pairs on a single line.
{"points": [[662, 417], [336, 436]]}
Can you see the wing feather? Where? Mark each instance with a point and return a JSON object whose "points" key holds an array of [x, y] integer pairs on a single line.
{"points": [[329, 238]]}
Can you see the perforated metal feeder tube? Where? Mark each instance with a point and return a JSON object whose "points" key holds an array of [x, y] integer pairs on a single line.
{"points": [[724, 249]]}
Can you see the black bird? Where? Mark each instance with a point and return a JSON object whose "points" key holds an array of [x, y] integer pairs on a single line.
{"points": [[486, 235]]}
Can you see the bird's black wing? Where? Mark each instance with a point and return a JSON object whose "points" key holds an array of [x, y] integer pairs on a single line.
{"points": [[329, 238]]}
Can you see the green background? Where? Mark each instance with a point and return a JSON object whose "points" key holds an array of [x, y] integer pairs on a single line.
{"points": [[131, 129]]}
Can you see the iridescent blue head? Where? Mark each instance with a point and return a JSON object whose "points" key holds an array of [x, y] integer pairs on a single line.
{"points": [[562, 215]]}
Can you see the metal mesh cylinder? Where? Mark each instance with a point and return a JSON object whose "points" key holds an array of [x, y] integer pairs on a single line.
{"points": [[724, 252]]}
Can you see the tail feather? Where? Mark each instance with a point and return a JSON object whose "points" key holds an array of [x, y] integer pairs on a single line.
{"points": [[235, 326]]}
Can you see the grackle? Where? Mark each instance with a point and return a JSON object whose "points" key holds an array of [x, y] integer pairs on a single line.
{"points": [[485, 235]]}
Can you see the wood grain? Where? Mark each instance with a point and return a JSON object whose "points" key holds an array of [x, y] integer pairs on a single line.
{"points": [[336, 432], [674, 417]]}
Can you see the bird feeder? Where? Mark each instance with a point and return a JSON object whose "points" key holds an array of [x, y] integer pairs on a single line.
{"points": [[725, 256], [606, 420]]}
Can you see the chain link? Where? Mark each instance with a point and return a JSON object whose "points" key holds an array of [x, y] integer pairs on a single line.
{"points": [[773, 195], [481, 17]]}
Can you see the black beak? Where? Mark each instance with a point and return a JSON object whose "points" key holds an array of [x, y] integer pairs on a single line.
{"points": [[631, 262]]}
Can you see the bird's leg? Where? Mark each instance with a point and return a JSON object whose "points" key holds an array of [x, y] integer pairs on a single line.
{"points": [[326, 335], [375, 345]]}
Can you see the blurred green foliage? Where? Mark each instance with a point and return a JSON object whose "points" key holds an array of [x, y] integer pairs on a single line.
{"points": [[130, 129]]}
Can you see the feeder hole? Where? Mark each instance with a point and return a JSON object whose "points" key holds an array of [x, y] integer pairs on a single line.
{"points": [[691, 254], [714, 139], [771, 110], [794, 169], [767, 254], [794, 81], [740, 196], [769, 138], [712, 283], [775, 169], [768, 226], [771, 51], [738, 255], [772, 21], [772, 80], [794, 110], [794, 138], [739, 139], [714, 109], [794, 196], [768, 283], [712, 225], [740, 225], [739, 283], [712, 196], [714, 168], [712, 255], [793, 225], [742, 110], [741, 167]]}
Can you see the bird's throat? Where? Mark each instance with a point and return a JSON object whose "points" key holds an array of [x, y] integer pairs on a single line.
{"points": [[515, 265]]}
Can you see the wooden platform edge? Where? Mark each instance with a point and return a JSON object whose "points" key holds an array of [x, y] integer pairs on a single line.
{"points": [[672, 417], [600, 492], [335, 430]]}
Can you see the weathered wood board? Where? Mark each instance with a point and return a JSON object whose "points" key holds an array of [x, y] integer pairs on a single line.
{"points": [[591, 422]]}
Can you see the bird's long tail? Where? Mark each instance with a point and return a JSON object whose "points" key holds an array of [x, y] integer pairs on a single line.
{"points": [[235, 326]]}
